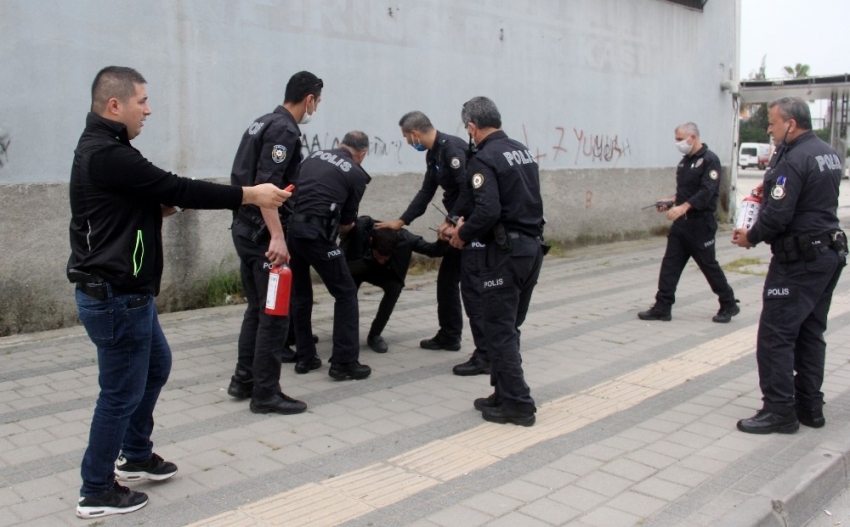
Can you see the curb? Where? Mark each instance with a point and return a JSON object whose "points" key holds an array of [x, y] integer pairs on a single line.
{"points": [[801, 492]]}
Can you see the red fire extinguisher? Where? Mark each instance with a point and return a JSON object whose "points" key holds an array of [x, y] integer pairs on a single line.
{"points": [[277, 297], [749, 211]]}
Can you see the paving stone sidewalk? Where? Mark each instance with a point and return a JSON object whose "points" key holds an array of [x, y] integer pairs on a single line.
{"points": [[636, 423]]}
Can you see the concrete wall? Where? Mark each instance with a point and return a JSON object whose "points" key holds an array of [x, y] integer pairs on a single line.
{"points": [[593, 87]]}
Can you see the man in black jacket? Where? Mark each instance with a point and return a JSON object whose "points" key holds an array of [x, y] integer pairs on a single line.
{"points": [[270, 152], [381, 257], [118, 200], [446, 165]]}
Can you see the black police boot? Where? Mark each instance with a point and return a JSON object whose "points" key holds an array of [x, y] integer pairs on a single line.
{"points": [[474, 366], [726, 313], [655, 313], [486, 402], [303, 366], [809, 417], [350, 370], [377, 343], [765, 422], [278, 404], [240, 388], [440, 343], [288, 355], [502, 415]]}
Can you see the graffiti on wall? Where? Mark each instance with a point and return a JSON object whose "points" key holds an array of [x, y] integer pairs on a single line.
{"points": [[586, 146], [5, 141], [377, 146]]}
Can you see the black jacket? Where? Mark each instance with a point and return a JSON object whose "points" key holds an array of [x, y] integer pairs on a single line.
{"points": [[269, 152], [358, 251], [330, 183], [800, 191], [116, 220], [447, 169], [698, 180], [506, 188]]}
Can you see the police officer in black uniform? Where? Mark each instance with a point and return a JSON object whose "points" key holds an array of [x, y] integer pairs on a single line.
{"points": [[330, 186], [446, 164], [508, 217], [798, 219], [270, 152], [694, 227], [381, 257]]}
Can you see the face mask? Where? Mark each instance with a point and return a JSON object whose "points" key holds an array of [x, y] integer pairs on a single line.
{"points": [[683, 146], [419, 147], [307, 117]]}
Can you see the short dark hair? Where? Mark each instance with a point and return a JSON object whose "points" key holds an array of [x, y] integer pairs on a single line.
{"points": [[415, 120], [481, 112], [794, 108], [114, 81], [359, 141], [301, 85], [384, 241]]}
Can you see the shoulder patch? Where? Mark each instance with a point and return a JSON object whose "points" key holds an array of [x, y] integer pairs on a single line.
{"points": [[713, 174], [455, 162], [477, 180], [278, 153]]}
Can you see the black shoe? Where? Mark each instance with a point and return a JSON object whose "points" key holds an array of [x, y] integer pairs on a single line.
{"points": [[474, 366], [307, 365], [288, 355], [500, 414], [154, 469], [377, 343], [439, 343], [486, 402], [765, 422], [315, 339], [117, 500], [239, 388], [654, 313], [278, 404], [726, 313], [351, 370], [810, 418]]}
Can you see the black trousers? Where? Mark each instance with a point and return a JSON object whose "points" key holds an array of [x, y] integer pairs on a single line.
{"points": [[309, 247], [470, 289], [391, 285], [449, 314], [691, 238], [262, 336], [795, 304], [507, 280]]}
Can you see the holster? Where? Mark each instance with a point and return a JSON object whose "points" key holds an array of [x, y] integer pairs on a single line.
{"points": [[500, 237]]}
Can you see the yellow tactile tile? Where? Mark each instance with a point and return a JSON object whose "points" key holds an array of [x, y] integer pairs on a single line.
{"points": [[235, 518], [380, 485], [306, 506], [445, 460]]}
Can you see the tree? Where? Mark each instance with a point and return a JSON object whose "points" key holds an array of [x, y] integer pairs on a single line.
{"points": [[798, 71], [754, 129]]}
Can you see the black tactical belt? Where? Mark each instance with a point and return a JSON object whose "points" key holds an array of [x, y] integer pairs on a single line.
{"points": [[312, 220]]}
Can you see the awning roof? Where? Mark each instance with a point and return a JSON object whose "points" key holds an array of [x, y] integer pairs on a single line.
{"points": [[808, 88]]}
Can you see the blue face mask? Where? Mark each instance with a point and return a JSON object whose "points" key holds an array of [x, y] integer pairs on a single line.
{"points": [[419, 147]]}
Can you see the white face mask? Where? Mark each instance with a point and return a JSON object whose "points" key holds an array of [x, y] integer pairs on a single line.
{"points": [[683, 146], [307, 117]]}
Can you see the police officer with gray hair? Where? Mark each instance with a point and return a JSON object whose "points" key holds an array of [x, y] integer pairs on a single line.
{"points": [[694, 227], [331, 184], [508, 218], [799, 220]]}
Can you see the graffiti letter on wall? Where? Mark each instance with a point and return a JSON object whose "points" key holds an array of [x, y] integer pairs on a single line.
{"points": [[5, 140]]}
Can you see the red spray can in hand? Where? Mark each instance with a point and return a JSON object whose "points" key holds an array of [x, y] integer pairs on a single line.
{"points": [[749, 211], [277, 297]]}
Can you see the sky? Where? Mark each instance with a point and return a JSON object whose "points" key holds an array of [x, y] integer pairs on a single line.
{"points": [[813, 32]]}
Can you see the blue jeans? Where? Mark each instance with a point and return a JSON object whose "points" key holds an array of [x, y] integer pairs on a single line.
{"points": [[134, 361]]}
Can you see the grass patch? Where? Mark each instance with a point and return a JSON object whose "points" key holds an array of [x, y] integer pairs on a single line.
{"points": [[740, 266]]}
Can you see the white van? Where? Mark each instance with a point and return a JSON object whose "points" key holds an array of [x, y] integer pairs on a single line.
{"points": [[754, 155]]}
